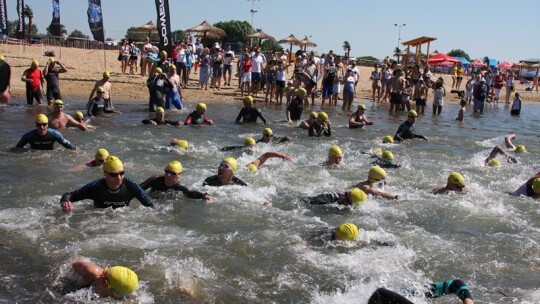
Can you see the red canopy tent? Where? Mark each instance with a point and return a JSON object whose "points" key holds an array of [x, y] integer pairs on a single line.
{"points": [[439, 58], [505, 65], [444, 63], [477, 63]]}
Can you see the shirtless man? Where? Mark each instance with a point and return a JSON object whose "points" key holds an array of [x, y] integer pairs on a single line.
{"points": [[117, 282], [106, 85], [59, 120], [510, 146], [376, 175], [173, 97], [397, 84]]}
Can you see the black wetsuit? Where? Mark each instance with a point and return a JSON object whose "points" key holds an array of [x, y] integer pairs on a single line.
{"points": [[249, 115], [274, 139], [194, 118], [296, 107], [156, 86], [94, 109], [317, 130], [44, 142], [214, 181], [406, 131], [356, 119], [234, 148], [385, 164], [385, 296], [161, 122], [157, 183], [326, 198], [103, 197], [457, 287], [53, 84]]}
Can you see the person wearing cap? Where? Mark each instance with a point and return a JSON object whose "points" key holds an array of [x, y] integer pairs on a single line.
{"points": [[386, 160], [104, 85], [358, 119], [376, 175], [530, 188], [388, 139], [114, 190], [510, 146], [51, 71], [305, 124], [181, 143], [406, 129], [455, 182], [33, 77], [249, 143], [159, 119], [94, 109], [170, 182], [516, 105], [249, 114], [157, 83], [117, 282], [322, 126], [58, 119], [269, 137], [434, 290], [79, 117], [335, 156], [43, 138], [345, 232], [351, 197], [173, 97], [225, 174], [5, 82], [296, 106], [99, 158], [162, 63], [197, 118]]}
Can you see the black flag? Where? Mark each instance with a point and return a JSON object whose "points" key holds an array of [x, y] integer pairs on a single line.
{"points": [[164, 25], [54, 28], [20, 25], [3, 20], [95, 20]]}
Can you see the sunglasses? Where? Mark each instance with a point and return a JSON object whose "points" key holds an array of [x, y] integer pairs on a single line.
{"points": [[115, 174], [172, 172], [224, 165], [460, 187], [41, 124]]}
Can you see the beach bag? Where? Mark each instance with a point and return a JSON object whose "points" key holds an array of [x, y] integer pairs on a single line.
{"points": [[119, 57]]}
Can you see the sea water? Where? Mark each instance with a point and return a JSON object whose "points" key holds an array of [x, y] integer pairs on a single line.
{"points": [[233, 249]]}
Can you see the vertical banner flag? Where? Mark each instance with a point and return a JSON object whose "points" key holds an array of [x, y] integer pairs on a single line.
{"points": [[3, 20], [95, 20], [164, 25], [20, 25], [54, 28]]}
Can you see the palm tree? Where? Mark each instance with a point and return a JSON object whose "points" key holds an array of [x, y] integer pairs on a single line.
{"points": [[347, 47], [28, 13]]}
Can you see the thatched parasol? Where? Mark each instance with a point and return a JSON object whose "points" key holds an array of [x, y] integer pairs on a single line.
{"points": [[291, 40], [260, 35], [306, 42], [148, 27], [206, 28]]}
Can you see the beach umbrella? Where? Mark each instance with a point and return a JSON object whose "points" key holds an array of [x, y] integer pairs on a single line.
{"points": [[306, 42], [505, 65], [477, 63], [442, 57], [205, 28], [291, 40], [148, 27], [260, 35]]}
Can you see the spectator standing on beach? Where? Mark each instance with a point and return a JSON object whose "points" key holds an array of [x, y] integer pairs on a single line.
{"points": [[123, 55], [205, 65], [338, 81], [376, 83], [257, 61], [509, 86], [217, 67], [459, 75], [281, 80], [480, 91], [438, 98], [498, 84], [270, 72], [228, 57], [469, 86], [181, 63], [51, 71], [33, 77], [454, 76], [328, 84], [397, 84], [535, 83], [146, 64], [245, 68], [420, 96], [134, 52], [386, 77], [348, 88]]}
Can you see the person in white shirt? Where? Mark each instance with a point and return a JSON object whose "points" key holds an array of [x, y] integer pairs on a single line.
{"points": [[257, 60], [228, 57]]}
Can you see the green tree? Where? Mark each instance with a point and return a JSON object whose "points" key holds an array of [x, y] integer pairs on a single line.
{"points": [[77, 34], [28, 13], [368, 58], [178, 35], [347, 47], [270, 45], [459, 53], [12, 28], [62, 30], [236, 31]]}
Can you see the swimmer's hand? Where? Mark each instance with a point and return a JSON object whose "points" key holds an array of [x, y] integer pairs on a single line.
{"points": [[75, 148], [67, 206], [511, 159], [425, 138], [153, 123], [206, 197]]}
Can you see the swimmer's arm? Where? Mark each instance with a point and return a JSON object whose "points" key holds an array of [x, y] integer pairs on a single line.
{"points": [[262, 118], [79, 125], [25, 139], [237, 121], [208, 121], [263, 158], [24, 79], [87, 270], [328, 130], [421, 137], [352, 122], [441, 190], [92, 93], [139, 193], [148, 182], [61, 140], [193, 194], [457, 287], [508, 141], [188, 121], [62, 67], [375, 192]]}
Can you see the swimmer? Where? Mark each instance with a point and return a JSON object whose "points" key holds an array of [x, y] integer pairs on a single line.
{"points": [[51, 73], [181, 143], [249, 143], [435, 290], [79, 117], [388, 139], [157, 83], [269, 137], [170, 181], [43, 138], [358, 119], [509, 145], [114, 190], [159, 119], [99, 159], [197, 117], [344, 232], [386, 160], [462, 110], [335, 156], [530, 188], [225, 176], [256, 164], [93, 108], [305, 124], [117, 282], [59, 120], [104, 85], [33, 77], [296, 106], [406, 129], [352, 197], [455, 182], [376, 175], [5, 82], [322, 126], [249, 114]]}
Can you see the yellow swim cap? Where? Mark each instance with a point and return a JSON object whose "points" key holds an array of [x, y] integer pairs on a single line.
{"points": [[101, 154], [536, 186], [377, 152], [100, 89], [376, 173], [301, 91], [35, 63], [357, 196], [250, 141], [112, 164], [42, 119], [106, 74], [248, 99], [201, 106], [174, 166], [456, 179], [252, 167], [172, 67], [182, 144], [79, 115], [388, 155], [267, 131], [520, 149], [51, 59], [2, 58], [347, 232], [160, 110], [58, 102], [122, 281], [388, 139], [412, 113], [361, 106], [494, 163], [334, 151], [322, 116], [313, 114], [232, 162], [159, 70], [163, 53]]}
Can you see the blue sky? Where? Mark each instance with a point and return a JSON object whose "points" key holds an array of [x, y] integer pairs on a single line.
{"points": [[505, 30]]}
